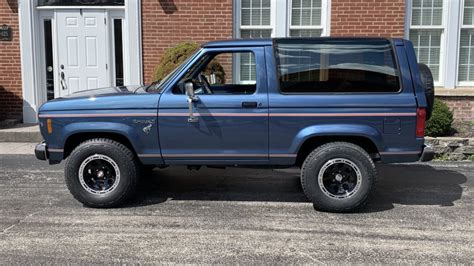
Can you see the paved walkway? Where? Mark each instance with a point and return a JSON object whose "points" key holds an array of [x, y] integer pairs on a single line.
{"points": [[17, 147], [21, 133]]}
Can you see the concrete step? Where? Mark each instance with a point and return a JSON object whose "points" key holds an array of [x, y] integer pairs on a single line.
{"points": [[21, 133]]}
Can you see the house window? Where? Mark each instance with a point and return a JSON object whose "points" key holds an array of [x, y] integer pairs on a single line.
{"points": [[255, 19], [80, 2], [466, 45], [255, 22], [247, 68], [306, 18], [442, 32], [275, 18], [426, 33]]}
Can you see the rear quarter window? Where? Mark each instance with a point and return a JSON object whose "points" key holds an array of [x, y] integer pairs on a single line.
{"points": [[336, 66]]}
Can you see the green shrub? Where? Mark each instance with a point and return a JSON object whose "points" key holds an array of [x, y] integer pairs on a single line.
{"points": [[174, 56], [441, 119], [214, 67]]}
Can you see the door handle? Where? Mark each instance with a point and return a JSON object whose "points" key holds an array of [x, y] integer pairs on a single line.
{"points": [[63, 80], [249, 104]]}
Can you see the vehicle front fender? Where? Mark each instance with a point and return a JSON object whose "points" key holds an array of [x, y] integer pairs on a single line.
{"points": [[102, 127]]}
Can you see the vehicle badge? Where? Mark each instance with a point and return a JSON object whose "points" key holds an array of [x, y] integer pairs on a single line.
{"points": [[147, 129]]}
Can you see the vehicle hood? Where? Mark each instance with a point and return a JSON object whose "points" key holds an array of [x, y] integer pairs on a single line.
{"points": [[123, 97], [105, 92]]}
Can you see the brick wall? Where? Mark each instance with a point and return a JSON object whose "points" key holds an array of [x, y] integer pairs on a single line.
{"points": [[367, 18], [462, 107], [10, 65], [167, 22]]}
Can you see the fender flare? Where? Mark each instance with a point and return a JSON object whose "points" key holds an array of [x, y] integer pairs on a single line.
{"points": [[101, 127], [349, 130]]}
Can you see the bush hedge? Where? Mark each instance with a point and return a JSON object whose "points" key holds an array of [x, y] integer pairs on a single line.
{"points": [[440, 121], [174, 56]]}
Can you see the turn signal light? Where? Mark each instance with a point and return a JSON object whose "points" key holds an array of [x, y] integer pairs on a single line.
{"points": [[49, 124], [420, 122]]}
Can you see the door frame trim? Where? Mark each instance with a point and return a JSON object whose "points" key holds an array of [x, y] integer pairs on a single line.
{"points": [[42, 16], [33, 86]]}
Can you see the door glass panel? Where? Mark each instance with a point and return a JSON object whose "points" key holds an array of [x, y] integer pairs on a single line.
{"points": [[48, 46], [215, 74], [81, 2], [118, 52]]}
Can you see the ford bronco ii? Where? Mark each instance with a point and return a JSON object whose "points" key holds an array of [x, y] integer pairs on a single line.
{"points": [[330, 106]]}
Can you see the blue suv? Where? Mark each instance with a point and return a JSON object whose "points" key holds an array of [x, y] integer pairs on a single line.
{"points": [[330, 106]]}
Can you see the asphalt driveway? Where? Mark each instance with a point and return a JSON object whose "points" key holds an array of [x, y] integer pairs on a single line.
{"points": [[419, 214]]}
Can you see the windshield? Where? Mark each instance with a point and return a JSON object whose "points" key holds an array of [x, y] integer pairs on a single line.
{"points": [[157, 86]]}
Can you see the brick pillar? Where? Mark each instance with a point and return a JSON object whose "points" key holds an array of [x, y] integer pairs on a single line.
{"points": [[10, 64]]}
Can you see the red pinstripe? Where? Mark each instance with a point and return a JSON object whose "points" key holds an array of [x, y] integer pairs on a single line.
{"points": [[231, 114]]}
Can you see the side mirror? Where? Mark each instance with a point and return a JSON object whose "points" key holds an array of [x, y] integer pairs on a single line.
{"points": [[189, 88]]}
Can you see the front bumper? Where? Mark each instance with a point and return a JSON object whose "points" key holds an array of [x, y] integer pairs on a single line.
{"points": [[41, 151], [427, 154]]}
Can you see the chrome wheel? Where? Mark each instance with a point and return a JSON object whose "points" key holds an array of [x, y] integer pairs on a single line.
{"points": [[339, 178], [99, 174]]}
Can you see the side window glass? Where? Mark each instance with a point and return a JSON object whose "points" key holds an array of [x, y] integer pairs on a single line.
{"points": [[326, 66], [223, 74]]}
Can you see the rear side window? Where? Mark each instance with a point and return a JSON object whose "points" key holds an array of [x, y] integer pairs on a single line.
{"points": [[336, 66]]}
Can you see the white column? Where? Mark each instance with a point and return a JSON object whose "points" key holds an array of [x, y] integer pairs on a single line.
{"points": [[236, 19], [326, 17], [27, 20], [280, 17], [408, 4], [133, 43], [450, 69]]}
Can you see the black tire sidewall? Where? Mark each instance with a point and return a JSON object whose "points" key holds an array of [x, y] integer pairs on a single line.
{"points": [[125, 165], [428, 87], [315, 162]]}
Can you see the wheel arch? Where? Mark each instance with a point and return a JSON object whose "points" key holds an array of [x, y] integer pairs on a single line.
{"points": [[73, 140], [366, 137]]}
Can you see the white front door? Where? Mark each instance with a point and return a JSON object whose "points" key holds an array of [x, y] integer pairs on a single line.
{"points": [[82, 50]]}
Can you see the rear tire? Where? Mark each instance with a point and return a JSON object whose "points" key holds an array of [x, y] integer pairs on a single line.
{"points": [[101, 173], [338, 177]]}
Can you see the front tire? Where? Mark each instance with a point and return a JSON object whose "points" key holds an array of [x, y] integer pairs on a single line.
{"points": [[101, 173], [338, 177]]}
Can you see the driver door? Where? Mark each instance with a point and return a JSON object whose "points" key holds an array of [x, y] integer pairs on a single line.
{"points": [[232, 121]]}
